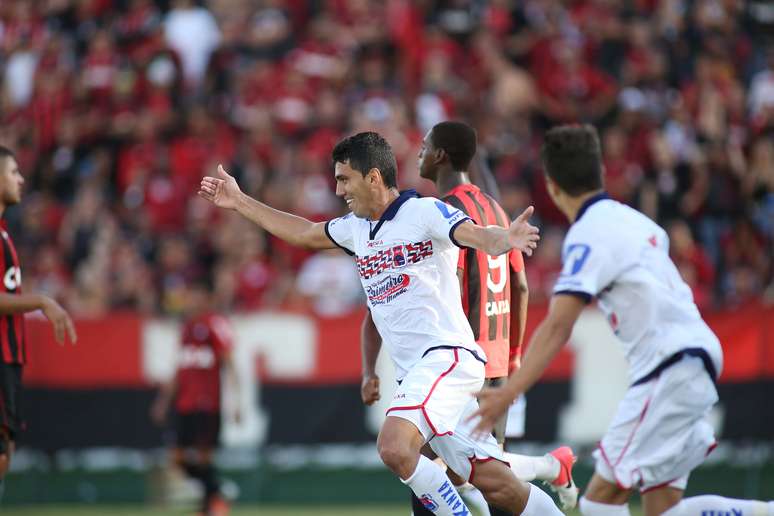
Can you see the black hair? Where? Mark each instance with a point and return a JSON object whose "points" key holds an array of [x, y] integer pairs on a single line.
{"points": [[572, 158], [5, 152], [458, 141], [365, 151]]}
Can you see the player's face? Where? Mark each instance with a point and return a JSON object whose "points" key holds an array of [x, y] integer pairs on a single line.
{"points": [[11, 181], [354, 188], [425, 161]]}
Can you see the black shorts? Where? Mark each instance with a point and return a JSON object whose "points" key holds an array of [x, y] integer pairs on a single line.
{"points": [[499, 429], [11, 421], [198, 430]]}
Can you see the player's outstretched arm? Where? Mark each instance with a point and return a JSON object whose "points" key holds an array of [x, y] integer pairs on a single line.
{"points": [[548, 339], [224, 192], [495, 240], [370, 345], [23, 303]]}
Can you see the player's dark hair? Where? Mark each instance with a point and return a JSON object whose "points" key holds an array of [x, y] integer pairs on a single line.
{"points": [[458, 141], [5, 152], [572, 158], [365, 151]]}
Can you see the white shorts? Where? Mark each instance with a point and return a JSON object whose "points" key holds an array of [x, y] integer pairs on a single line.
{"points": [[437, 396], [661, 430]]}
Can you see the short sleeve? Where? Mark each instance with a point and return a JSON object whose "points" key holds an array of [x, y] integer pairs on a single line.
{"points": [[587, 270], [340, 232], [442, 219]]}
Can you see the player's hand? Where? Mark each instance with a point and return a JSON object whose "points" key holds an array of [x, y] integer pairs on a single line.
{"points": [[493, 403], [60, 319], [222, 190], [522, 235], [158, 412], [369, 390]]}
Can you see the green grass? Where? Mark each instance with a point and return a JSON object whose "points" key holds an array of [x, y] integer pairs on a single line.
{"points": [[238, 510]]}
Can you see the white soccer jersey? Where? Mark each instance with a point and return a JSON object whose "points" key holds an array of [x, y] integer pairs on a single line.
{"points": [[407, 262], [621, 257]]}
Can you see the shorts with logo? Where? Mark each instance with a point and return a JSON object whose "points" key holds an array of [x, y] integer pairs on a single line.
{"points": [[11, 421], [198, 429], [661, 430], [437, 397]]}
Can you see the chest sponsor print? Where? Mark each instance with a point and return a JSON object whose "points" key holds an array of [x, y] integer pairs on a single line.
{"points": [[386, 290]]}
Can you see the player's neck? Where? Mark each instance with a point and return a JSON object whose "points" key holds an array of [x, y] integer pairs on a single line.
{"points": [[572, 205], [447, 181], [383, 201]]}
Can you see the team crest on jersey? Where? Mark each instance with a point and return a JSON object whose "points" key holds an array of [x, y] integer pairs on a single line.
{"points": [[387, 289], [395, 257]]}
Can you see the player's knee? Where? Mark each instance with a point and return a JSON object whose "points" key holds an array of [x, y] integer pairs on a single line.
{"points": [[398, 457]]}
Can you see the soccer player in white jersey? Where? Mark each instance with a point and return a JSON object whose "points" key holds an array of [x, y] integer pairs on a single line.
{"points": [[616, 254], [405, 249]]}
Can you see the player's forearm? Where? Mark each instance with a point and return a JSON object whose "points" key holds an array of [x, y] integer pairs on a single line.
{"points": [[370, 345], [545, 345], [290, 228], [22, 303]]}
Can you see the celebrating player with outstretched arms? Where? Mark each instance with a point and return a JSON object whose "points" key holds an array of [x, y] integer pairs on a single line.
{"points": [[406, 253]]}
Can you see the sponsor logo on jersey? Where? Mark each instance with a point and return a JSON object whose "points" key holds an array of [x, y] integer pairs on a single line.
{"points": [[394, 257], [374, 243], [196, 357], [12, 278], [386, 290], [498, 307], [574, 257]]}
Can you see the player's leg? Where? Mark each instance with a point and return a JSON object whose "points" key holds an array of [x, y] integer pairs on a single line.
{"points": [[503, 490], [7, 447], [668, 501], [604, 498], [399, 444]]}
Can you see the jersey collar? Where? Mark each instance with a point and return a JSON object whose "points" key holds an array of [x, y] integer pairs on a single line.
{"points": [[591, 200], [392, 209]]}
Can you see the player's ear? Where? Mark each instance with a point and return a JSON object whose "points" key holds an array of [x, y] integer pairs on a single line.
{"points": [[374, 176], [440, 155]]}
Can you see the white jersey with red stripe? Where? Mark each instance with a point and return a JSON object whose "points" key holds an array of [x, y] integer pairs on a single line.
{"points": [[407, 262], [621, 257]]}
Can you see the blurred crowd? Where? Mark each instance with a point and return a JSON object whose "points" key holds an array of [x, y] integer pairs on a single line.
{"points": [[116, 108]]}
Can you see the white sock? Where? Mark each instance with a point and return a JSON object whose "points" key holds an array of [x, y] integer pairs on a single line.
{"points": [[589, 508], [474, 498], [434, 489], [711, 505], [529, 468], [540, 504]]}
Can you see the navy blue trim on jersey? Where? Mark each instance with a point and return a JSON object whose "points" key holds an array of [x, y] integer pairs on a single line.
{"points": [[454, 226], [585, 296], [392, 210], [669, 362], [475, 355], [591, 200], [328, 234]]}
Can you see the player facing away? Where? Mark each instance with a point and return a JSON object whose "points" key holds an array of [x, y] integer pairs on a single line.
{"points": [[405, 250], [206, 351], [13, 305], [494, 299], [616, 254]]}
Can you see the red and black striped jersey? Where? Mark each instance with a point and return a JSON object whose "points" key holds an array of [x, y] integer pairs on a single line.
{"points": [[486, 280], [12, 332]]}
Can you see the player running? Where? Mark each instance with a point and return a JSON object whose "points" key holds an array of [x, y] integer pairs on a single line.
{"points": [[494, 298], [616, 254], [406, 253], [13, 305], [196, 389]]}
